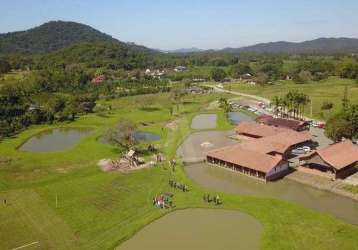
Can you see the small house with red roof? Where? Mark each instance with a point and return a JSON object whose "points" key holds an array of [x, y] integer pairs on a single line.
{"points": [[336, 161], [99, 79]]}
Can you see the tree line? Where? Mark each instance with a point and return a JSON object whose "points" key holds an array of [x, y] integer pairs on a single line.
{"points": [[291, 106], [344, 123]]}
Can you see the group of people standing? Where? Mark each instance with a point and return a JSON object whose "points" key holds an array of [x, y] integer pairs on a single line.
{"points": [[178, 185], [215, 199], [163, 201]]}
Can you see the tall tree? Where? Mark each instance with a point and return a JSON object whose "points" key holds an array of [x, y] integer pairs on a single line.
{"points": [[218, 74], [345, 100], [122, 134]]}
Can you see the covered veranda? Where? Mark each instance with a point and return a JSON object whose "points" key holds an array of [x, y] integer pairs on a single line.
{"points": [[241, 169]]}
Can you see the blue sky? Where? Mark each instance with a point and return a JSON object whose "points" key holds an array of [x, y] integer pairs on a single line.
{"points": [[169, 24]]}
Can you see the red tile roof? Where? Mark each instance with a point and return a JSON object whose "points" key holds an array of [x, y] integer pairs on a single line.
{"points": [[340, 155], [238, 155], [280, 122], [254, 154], [257, 129], [99, 79], [279, 143]]}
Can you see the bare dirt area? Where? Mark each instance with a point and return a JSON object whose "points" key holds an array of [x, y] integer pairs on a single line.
{"points": [[172, 125], [198, 144]]}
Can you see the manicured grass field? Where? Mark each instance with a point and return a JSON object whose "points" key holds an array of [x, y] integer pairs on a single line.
{"points": [[330, 90], [97, 210]]}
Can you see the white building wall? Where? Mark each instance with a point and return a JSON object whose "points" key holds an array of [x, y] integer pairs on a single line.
{"points": [[279, 168]]}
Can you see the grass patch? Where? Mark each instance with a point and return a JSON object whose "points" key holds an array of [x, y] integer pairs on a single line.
{"points": [[351, 188]]}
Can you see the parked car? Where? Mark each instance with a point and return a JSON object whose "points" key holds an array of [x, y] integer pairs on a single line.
{"points": [[355, 141], [252, 109], [298, 151], [321, 125], [314, 124], [306, 149]]}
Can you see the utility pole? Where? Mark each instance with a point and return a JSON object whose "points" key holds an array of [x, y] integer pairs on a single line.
{"points": [[56, 201], [311, 108]]}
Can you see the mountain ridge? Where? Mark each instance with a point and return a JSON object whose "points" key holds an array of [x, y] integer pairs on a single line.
{"points": [[55, 35], [319, 45]]}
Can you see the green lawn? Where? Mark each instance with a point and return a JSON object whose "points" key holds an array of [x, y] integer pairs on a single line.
{"points": [[13, 77], [330, 90], [99, 210]]}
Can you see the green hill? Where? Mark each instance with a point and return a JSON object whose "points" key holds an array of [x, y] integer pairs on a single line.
{"points": [[53, 36], [112, 55]]}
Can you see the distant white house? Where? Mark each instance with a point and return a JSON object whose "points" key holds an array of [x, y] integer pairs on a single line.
{"points": [[179, 68], [155, 73], [246, 76], [198, 80]]}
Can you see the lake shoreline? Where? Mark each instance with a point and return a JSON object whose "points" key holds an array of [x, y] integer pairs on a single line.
{"points": [[321, 184]]}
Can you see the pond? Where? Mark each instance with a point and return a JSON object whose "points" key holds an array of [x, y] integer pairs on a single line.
{"points": [[237, 117], [145, 136], [54, 140], [139, 136], [198, 229], [227, 181], [195, 146], [204, 121]]}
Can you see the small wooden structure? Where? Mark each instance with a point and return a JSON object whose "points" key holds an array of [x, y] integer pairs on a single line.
{"points": [[128, 162]]}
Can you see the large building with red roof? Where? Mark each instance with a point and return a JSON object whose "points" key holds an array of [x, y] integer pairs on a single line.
{"points": [[336, 161], [263, 156]]}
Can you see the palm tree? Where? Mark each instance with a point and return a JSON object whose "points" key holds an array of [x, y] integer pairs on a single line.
{"points": [[297, 101], [305, 101], [285, 104], [276, 102]]}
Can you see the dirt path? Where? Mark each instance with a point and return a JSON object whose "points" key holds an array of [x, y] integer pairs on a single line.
{"points": [[258, 98]]}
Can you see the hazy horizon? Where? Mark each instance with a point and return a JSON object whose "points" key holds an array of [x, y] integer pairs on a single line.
{"points": [[170, 25]]}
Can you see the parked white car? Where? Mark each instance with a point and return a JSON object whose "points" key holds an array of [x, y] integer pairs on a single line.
{"points": [[306, 149], [301, 150], [298, 151]]}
